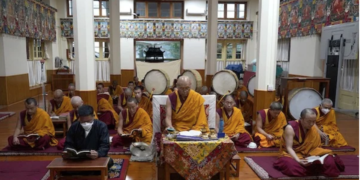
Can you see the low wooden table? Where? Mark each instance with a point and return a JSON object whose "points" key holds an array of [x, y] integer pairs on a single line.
{"points": [[64, 126], [99, 164]]}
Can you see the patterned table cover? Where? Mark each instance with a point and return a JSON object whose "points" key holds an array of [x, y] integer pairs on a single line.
{"points": [[197, 159]]}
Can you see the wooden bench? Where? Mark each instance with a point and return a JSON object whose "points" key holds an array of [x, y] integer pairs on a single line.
{"points": [[236, 160]]}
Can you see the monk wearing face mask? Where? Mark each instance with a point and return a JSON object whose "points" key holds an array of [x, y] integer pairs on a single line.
{"points": [[326, 124]]}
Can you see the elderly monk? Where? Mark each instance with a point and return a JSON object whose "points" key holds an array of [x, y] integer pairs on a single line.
{"points": [[269, 126], [107, 114], [326, 123], [115, 91], [230, 121], [60, 105], [103, 94], [122, 103], [301, 139], [33, 120], [185, 108], [143, 101], [71, 90], [132, 119], [204, 90]]}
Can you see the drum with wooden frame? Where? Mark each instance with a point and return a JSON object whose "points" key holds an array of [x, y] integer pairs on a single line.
{"points": [[251, 85], [195, 78], [158, 80], [225, 82], [301, 98]]}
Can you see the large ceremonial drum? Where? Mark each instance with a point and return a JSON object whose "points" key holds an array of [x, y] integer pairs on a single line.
{"points": [[195, 78], [225, 82], [301, 98], [251, 85], [158, 80]]}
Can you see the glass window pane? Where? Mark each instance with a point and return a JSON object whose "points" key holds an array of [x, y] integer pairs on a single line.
{"points": [[152, 8], [177, 10], [241, 15], [230, 12], [241, 11], [140, 8], [96, 8], [238, 50], [165, 10], [70, 8], [220, 10], [106, 50], [242, 7], [219, 51], [105, 8], [229, 48]]}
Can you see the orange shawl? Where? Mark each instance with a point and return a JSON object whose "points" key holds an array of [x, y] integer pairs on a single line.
{"points": [[235, 124], [146, 104], [104, 105], [40, 124], [118, 91], [247, 109], [190, 115], [167, 92], [65, 106], [311, 145], [140, 120]]}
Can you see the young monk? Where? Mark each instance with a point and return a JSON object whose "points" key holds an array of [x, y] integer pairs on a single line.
{"points": [[102, 94], [71, 90], [269, 126], [122, 103], [60, 105], [33, 120], [143, 101], [233, 122], [107, 114], [246, 106], [304, 135], [115, 91], [185, 108], [326, 124], [134, 118]]}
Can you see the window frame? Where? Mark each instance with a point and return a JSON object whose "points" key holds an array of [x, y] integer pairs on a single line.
{"points": [[234, 43], [236, 10], [159, 9], [100, 8], [30, 49], [101, 53]]}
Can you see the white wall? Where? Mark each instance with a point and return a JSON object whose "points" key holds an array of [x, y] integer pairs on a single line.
{"points": [[61, 41], [304, 56], [194, 54], [13, 55], [125, 6], [195, 6], [127, 53], [251, 46]]}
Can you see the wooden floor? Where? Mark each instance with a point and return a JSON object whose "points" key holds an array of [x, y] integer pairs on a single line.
{"points": [[349, 127]]}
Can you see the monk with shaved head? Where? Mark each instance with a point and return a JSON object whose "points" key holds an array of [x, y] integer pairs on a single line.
{"points": [[185, 108], [122, 103], [204, 90], [60, 104], [71, 90]]}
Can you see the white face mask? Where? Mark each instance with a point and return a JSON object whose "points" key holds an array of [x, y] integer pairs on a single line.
{"points": [[325, 111], [87, 126]]}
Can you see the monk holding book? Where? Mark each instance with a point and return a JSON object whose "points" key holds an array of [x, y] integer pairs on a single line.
{"points": [[60, 105], [122, 103], [134, 122], [103, 94], [302, 155], [34, 129], [144, 102]]}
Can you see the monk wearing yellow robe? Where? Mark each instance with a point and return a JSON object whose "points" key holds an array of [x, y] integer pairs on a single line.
{"points": [[134, 121], [269, 126], [247, 107], [185, 108], [168, 91], [107, 114], [233, 122], [71, 90], [103, 94], [326, 123], [137, 82], [143, 102], [122, 103], [301, 139], [33, 120], [60, 105], [115, 91]]}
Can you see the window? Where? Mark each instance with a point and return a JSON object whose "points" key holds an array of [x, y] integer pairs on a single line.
{"points": [[232, 10], [101, 50], [163, 9], [35, 49], [101, 8], [231, 49]]}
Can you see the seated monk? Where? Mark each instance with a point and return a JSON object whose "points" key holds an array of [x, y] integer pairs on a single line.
{"points": [[204, 90], [233, 122], [269, 126], [71, 90], [88, 134], [122, 103], [246, 106], [131, 85], [115, 91], [33, 120], [326, 123], [301, 139], [107, 114], [143, 101], [76, 103], [60, 105], [136, 81], [102, 94], [185, 108], [133, 118]]}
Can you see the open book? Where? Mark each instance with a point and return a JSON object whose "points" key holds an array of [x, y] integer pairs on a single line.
{"points": [[58, 117], [131, 133], [312, 159], [73, 154], [193, 133], [29, 135]]}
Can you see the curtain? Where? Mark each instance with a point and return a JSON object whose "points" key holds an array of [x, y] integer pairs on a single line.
{"points": [[283, 49], [36, 75], [349, 80], [102, 69]]}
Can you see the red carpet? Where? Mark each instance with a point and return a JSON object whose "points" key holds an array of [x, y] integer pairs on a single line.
{"points": [[263, 167], [4, 115], [276, 150]]}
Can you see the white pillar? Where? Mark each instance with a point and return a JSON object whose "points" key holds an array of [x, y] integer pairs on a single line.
{"points": [[115, 65], [212, 33], [84, 45], [267, 44]]}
